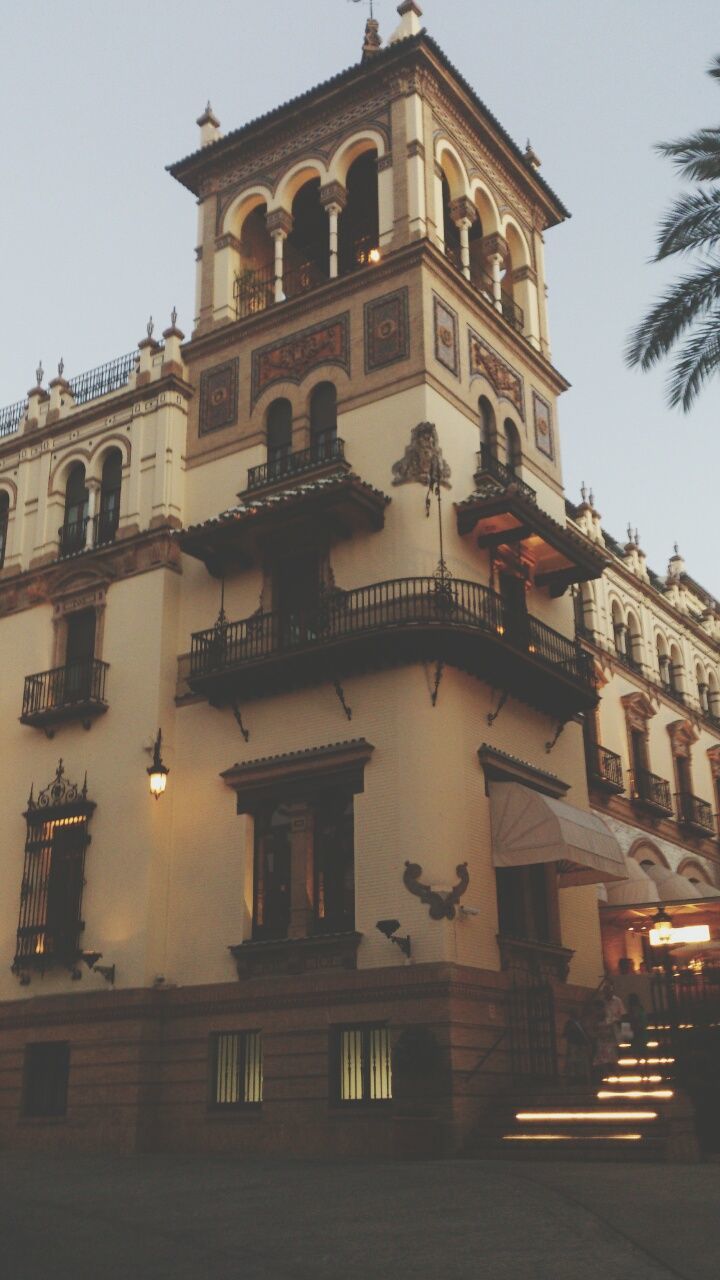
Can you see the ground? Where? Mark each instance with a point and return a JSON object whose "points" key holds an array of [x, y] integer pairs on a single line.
{"points": [[152, 1217]]}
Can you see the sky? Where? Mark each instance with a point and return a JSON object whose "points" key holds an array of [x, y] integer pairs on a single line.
{"points": [[96, 98]]}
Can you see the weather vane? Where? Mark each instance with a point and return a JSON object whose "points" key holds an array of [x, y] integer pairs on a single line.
{"points": [[370, 2]]}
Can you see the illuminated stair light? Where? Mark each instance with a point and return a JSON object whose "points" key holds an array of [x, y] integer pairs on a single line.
{"points": [[632, 1079], [571, 1137], [570, 1117], [644, 1062], [636, 1093]]}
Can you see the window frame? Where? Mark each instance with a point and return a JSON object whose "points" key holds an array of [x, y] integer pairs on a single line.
{"points": [[364, 1029], [243, 1039], [36, 1049]]}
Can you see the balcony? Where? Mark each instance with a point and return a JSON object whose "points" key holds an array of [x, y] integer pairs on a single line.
{"points": [[695, 814], [404, 620], [84, 535], [286, 466], [500, 472], [482, 283], [605, 770], [670, 691], [652, 793], [254, 291], [73, 692], [628, 660]]}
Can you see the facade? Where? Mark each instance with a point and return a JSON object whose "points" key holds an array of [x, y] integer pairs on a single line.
{"points": [[653, 743], [323, 545]]}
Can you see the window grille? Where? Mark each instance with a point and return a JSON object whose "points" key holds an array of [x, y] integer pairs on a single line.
{"points": [[364, 1064], [237, 1069], [45, 1078]]}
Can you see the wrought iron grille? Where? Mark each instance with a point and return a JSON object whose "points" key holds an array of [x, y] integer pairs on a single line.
{"points": [[512, 312], [254, 291], [533, 1039], [606, 768], [105, 378], [11, 417], [364, 1064], [237, 1069], [51, 893], [490, 465], [285, 465], [652, 790], [72, 538], [78, 683], [694, 812], [395, 603]]}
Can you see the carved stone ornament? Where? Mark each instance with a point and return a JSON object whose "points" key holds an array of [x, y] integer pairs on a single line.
{"points": [[638, 710], [683, 736], [505, 381], [442, 905], [714, 758], [423, 461]]}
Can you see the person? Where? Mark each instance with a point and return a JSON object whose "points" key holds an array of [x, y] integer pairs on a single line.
{"points": [[605, 1040], [637, 1018], [578, 1050], [614, 1007]]}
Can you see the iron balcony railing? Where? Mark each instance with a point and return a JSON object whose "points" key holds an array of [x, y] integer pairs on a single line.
{"points": [[83, 535], [103, 379], [483, 283], [712, 719], [105, 525], [670, 691], [254, 291], [76, 684], [285, 464], [500, 471], [651, 790], [11, 417], [383, 605], [694, 812], [605, 768], [629, 660], [72, 537], [512, 312]]}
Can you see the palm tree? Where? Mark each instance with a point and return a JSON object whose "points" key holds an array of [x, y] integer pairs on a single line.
{"points": [[690, 308]]}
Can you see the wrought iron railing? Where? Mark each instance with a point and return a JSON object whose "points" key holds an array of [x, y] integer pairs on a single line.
{"points": [[712, 719], [77, 683], [72, 537], [11, 417], [254, 291], [629, 660], [385, 605], [103, 379], [649, 789], [512, 312], [694, 812], [309, 275], [484, 284], [490, 465], [285, 465], [105, 525], [677, 695], [605, 767]]}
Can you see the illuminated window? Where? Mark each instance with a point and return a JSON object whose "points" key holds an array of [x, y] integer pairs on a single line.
{"points": [[363, 1069], [237, 1069], [45, 1078]]}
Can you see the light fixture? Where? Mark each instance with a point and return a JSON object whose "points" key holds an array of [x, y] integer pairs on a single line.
{"points": [[374, 255], [662, 934], [390, 928], [158, 772]]}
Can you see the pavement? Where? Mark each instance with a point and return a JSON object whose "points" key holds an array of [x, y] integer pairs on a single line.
{"points": [[152, 1217]]}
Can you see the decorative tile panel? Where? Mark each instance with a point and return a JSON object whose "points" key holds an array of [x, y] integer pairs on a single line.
{"points": [[219, 397], [504, 380], [447, 346], [387, 330], [542, 414], [293, 358]]}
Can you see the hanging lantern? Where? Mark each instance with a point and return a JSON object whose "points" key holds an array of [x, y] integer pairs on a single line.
{"points": [[158, 772], [662, 934]]}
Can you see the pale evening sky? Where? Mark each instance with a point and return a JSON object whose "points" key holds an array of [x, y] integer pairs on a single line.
{"points": [[97, 98]]}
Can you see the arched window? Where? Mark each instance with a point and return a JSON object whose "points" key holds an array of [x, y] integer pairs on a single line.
{"points": [[359, 231], [72, 534], [488, 432], [634, 641], [323, 419], [619, 630], [676, 671], [702, 688], [713, 695], [278, 434], [307, 252], [513, 448], [663, 662], [255, 283], [110, 497], [451, 233], [4, 513]]}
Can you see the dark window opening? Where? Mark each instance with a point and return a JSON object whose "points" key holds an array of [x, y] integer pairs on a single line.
{"points": [[451, 233], [79, 655], [359, 230], [76, 512], [308, 244], [237, 1069], [45, 1078], [296, 592], [278, 429], [323, 417], [334, 899], [109, 515], [52, 886], [639, 749], [515, 614], [4, 515], [513, 449], [271, 910], [362, 1066], [527, 902]]}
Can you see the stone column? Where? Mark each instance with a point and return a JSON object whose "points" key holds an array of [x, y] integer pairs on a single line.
{"points": [[279, 223], [495, 252], [333, 198], [463, 214], [93, 488], [302, 870]]}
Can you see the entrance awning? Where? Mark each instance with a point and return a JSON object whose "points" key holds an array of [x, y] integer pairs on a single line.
{"points": [[529, 827]]}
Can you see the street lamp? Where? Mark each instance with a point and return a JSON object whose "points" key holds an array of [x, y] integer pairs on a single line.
{"points": [[158, 772]]}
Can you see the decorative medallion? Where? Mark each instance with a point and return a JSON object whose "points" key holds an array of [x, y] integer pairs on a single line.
{"points": [[504, 380], [387, 330], [542, 414], [442, 905], [292, 359], [60, 793], [422, 462], [219, 397], [447, 346]]}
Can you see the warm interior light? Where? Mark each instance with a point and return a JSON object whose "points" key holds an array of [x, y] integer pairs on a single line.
{"points": [[374, 255], [531, 1116], [661, 935], [158, 772], [664, 936], [635, 1093]]}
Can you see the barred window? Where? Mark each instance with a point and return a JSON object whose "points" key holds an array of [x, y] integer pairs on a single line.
{"points": [[363, 1064], [237, 1070], [45, 1078]]}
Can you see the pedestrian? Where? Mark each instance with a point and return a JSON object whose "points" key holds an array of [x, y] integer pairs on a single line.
{"points": [[637, 1018], [605, 1040], [614, 1007]]}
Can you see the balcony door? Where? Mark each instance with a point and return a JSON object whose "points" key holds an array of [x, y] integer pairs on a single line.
{"points": [[272, 880], [79, 654], [65, 885], [297, 596], [515, 615], [638, 746]]}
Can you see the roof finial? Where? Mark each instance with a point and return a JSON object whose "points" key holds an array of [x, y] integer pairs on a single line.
{"points": [[591, 499], [150, 327], [629, 532], [39, 375], [676, 548], [583, 491], [61, 367]]}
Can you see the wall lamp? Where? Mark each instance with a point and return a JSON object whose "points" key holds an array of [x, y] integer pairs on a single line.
{"points": [[158, 772], [390, 928], [106, 971]]}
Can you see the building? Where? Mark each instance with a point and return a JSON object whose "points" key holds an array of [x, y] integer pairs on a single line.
{"points": [[653, 749], [323, 546]]}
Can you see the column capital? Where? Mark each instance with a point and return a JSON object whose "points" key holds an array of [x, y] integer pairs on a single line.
{"points": [[524, 273], [279, 222], [463, 210], [227, 241], [495, 244], [333, 193]]}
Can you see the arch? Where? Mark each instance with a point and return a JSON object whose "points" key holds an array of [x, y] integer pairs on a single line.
{"points": [[351, 149], [106, 446], [57, 481], [488, 431], [694, 872], [307, 249], [323, 415], [453, 168], [296, 177], [713, 693], [359, 231], [241, 207], [517, 244], [677, 668], [634, 636], [486, 206], [513, 445], [10, 488], [278, 430], [619, 626], [644, 852], [702, 686]]}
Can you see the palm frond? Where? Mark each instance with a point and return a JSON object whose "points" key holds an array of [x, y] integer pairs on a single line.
{"points": [[714, 68], [698, 359], [683, 303], [696, 157], [693, 222]]}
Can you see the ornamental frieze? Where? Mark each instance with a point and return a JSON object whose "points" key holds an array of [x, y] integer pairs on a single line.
{"points": [[293, 358], [505, 381]]}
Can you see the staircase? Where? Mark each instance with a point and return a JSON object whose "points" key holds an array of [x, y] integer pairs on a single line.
{"points": [[636, 1113]]}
